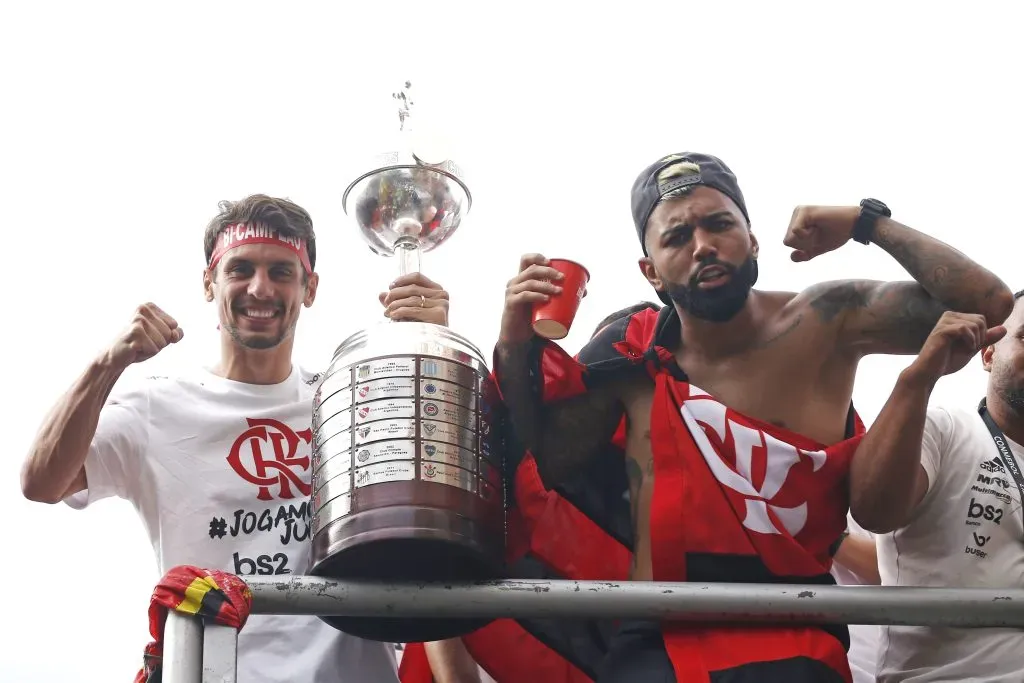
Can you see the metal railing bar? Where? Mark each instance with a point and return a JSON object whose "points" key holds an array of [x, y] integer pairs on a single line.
{"points": [[961, 607]]}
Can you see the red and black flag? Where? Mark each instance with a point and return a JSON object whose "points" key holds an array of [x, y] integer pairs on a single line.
{"points": [[582, 528], [212, 595]]}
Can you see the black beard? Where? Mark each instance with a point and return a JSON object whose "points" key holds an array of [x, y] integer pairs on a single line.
{"points": [[721, 303], [1006, 384], [1014, 398]]}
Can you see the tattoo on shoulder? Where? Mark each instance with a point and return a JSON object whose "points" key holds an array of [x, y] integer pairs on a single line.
{"points": [[838, 299]]}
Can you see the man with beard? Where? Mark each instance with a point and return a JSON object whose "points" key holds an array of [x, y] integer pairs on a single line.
{"points": [[944, 491], [217, 461], [738, 406]]}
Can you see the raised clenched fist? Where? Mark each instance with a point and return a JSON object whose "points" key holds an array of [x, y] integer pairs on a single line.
{"points": [[955, 339], [816, 230], [149, 332]]}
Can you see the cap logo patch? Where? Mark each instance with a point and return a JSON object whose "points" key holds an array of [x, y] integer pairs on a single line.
{"points": [[677, 175]]}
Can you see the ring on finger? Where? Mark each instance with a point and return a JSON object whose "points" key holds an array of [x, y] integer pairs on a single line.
{"points": [[423, 301]]}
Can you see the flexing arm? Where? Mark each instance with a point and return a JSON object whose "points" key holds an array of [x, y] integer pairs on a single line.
{"points": [[896, 317], [887, 479], [561, 435], [55, 467]]}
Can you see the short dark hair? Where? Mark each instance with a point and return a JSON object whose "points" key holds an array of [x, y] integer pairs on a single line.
{"points": [[283, 215], [628, 310]]}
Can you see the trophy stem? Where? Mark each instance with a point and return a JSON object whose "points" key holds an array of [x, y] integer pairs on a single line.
{"points": [[408, 251]]}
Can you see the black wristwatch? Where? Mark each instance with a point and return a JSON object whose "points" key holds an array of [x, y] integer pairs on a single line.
{"points": [[870, 211]]}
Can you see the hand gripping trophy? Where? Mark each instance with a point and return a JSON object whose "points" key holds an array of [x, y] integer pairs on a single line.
{"points": [[407, 481]]}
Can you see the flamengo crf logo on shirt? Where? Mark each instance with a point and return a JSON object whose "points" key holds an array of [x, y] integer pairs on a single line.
{"points": [[265, 456]]}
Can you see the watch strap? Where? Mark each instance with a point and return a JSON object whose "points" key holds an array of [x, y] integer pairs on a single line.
{"points": [[870, 211]]}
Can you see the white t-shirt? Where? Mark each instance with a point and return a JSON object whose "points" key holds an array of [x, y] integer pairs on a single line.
{"points": [[219, 472], [967, 533], [863, 654]]}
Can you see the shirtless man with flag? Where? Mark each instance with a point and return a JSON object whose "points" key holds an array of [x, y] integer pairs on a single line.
{"points": [[737, 406]]}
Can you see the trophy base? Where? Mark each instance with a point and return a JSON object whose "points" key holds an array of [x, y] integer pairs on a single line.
{"points": [[411, 544]]}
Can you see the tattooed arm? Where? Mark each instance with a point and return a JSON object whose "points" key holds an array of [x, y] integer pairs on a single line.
{"points": [[896, 317], [561, 435]]}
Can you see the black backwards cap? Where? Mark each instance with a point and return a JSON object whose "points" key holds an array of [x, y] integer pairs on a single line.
{"points": [[677, 171]]}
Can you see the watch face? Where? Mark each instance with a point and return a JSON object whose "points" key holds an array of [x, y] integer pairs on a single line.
{"points": [[876, 207]]}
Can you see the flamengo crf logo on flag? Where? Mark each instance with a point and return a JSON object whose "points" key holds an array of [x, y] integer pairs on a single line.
{"points": [[755, 451], [265, 456]]}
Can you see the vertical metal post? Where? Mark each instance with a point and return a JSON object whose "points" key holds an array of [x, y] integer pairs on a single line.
{"points": [[220, 654], [183, 649]]}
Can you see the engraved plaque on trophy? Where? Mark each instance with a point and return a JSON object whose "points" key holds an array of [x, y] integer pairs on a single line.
{"points": [[407, 481]]}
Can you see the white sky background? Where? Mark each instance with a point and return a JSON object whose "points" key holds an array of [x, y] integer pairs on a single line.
{"points": [[123, 124]]}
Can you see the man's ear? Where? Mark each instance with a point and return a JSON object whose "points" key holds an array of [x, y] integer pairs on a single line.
{"points": [[651, 273], [755, 248], [208, 284], [311, 285], [986, 357]]}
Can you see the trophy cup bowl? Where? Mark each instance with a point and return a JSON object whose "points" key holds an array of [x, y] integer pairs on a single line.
{"points": [[406, 205], [407, 466]]}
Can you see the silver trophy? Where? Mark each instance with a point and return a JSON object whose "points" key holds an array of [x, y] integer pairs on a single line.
{"points": [[407, 470]]}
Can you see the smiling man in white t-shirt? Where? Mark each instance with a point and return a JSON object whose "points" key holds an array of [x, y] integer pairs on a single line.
{"points": [[217, 461], [947, 505]]}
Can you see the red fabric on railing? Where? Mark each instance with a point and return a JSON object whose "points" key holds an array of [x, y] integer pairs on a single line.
{"points": [[215, 596]]}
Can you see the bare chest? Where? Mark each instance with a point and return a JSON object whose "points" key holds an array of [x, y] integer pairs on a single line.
{"points": [[798, 390]]}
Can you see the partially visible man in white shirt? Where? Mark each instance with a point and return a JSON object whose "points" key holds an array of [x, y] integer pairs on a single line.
{"points": [[946, 500], [217, 461], [856, 564]]}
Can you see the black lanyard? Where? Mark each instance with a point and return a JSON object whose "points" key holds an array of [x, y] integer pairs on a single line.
{"points": [[1004, 450]]}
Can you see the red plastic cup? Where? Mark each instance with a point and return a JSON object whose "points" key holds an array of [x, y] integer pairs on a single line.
{"points": [[553, 318]]}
